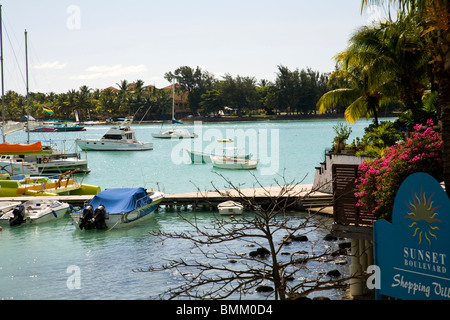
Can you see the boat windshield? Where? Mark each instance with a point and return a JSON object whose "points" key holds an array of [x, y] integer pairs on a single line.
{"points": [[112, 137]]}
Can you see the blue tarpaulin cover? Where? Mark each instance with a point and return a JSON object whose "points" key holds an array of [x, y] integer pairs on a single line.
{"points": [[119, 200]]}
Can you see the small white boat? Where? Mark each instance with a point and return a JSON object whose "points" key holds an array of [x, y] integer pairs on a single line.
{"points": [[199, 157], [174, 134], [230, 208], [35, 211], [120, 138], [224, 162], [117, 207]]}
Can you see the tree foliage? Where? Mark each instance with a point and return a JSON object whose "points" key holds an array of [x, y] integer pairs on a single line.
{"points": [[292, 91]]}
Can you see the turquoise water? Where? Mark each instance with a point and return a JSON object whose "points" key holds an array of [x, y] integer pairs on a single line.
{"points": [[288, 150], [37, 261]]}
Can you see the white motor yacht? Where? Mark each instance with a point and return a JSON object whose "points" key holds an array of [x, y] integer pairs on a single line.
{"points": [[120, 138]]}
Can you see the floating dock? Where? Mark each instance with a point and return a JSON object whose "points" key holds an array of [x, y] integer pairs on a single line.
{"points": [[302, 197]]}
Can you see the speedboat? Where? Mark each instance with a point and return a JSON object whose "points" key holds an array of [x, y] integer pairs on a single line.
{"points": [[35, 211], [120, 138], [230, 208], [117, 207], [224, 162]]}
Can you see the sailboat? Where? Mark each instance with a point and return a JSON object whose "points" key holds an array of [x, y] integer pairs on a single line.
{"points": [[174, 133], [33, 158]]}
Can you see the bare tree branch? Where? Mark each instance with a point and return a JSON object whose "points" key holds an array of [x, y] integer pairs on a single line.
{"points": [[214, 270]]}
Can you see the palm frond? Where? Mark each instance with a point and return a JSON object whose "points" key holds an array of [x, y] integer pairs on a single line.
{"points": [[334, 97], [356, 110]]}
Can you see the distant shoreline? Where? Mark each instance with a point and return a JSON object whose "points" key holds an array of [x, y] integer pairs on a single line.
{"points": [[331, 116]]}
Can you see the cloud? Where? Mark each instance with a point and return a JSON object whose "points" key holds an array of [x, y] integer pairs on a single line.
{"points": [[118, 70], [51, 65]]}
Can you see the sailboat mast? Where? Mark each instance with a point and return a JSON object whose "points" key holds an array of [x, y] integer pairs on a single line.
{"points": [[173, 103], [28, 100], [3, 87]]}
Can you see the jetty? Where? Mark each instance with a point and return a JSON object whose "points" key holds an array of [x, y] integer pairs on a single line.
{"points": [[303, 196]]}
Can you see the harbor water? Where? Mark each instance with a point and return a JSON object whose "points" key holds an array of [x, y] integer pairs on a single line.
{"points": [[39, 261]]}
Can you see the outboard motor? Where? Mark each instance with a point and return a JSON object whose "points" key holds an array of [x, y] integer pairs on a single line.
{"points": [[100, 217], [86, 220], [19, 215]]}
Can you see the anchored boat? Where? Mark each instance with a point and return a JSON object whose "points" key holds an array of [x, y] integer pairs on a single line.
{"points": [[118, 207], [230, 208], [198, 157], [34, 158], [174, 133], [223, 162], [120, 138], [35, 211]]}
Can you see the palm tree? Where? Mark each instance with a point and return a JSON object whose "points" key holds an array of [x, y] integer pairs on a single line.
{"points": [[395, 52], [434, 16], [123, 95], [356, 90], [136, 97], [109, 102], [83, 101]]}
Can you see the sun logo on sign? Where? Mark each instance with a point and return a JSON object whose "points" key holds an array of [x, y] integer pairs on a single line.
{"points": [[423, 215]]}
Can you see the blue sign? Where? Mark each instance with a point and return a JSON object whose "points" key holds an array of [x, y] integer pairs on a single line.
{"points": [[413, 253]]}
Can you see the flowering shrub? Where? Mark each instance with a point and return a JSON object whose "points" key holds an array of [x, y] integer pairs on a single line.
{"points": [[380, 178]]}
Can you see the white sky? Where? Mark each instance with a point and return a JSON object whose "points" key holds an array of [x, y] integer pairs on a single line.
{"points": [[98, 43]]}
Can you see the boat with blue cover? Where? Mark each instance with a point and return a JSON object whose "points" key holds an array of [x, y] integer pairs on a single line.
{"points": [[118, 207]]}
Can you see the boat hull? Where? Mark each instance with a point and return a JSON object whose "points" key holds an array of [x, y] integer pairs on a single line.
{"points": [[39, 211], [199, 157], [127, 219], [34, 164], [229, 208], [174, 134], [233, 163], [58, 166], [105, 145]]}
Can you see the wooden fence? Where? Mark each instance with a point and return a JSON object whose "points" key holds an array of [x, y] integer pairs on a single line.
{"points": [[344, 202]]}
